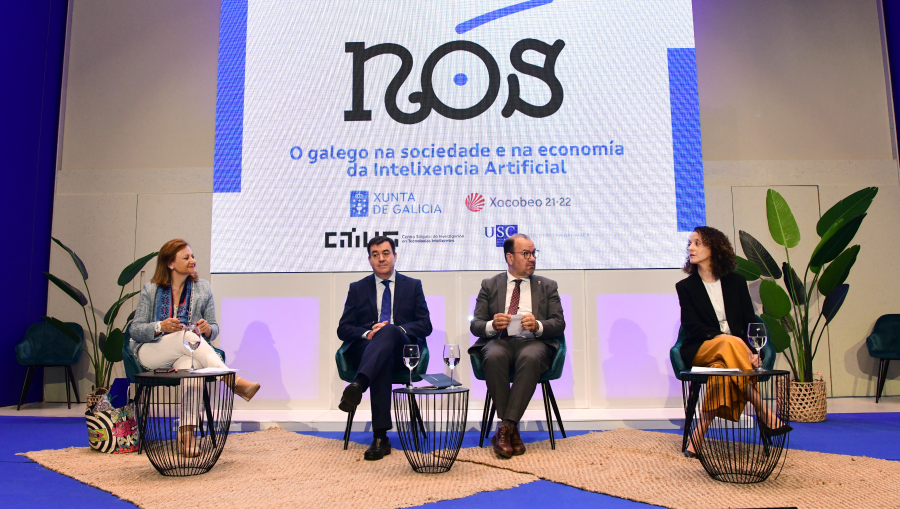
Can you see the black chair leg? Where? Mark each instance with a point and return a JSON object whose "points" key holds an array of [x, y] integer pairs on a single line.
{"points": [[882, 376], [556, 410], [689, 409], [74, 385], [68, 391], [29, 374], [547, 413], [484, 419], [347, 429], [491, 414]]}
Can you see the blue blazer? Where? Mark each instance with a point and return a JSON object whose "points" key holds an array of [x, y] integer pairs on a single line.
{"points": [[361, 312]]}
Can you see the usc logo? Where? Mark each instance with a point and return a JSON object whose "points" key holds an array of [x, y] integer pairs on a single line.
{"points": [[428, 100]]}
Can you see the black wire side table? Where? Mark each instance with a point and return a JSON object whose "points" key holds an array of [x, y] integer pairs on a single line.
{"points": [[431, 424], [736, 451], [197, 406]]}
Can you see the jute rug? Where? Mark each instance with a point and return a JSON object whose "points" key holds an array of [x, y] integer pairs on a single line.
{"points": [[278, 468], [647, 467]]}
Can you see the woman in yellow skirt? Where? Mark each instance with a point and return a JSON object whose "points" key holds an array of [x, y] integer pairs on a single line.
{"points": [[715, 311]]}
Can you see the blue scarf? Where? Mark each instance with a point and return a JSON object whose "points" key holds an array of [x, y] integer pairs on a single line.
{"points": [[164, 304]]}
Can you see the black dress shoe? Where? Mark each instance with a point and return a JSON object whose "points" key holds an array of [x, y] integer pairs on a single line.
{"points": [[777, 432], [351, 398], [380, 448]]}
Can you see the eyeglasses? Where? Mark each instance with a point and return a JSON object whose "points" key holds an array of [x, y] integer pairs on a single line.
{"points": [[530, 254]]}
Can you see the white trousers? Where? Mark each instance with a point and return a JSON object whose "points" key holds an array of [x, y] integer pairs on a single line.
{"points": [[170, 351]]}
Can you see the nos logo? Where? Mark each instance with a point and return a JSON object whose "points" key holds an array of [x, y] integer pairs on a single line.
{"points": [[428, 100]]}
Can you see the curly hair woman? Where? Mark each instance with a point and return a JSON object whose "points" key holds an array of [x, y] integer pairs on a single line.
{"points": [[715, 310]]}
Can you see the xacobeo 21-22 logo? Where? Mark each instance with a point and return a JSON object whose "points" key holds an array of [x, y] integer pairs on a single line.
{"points": [[428, 100]]}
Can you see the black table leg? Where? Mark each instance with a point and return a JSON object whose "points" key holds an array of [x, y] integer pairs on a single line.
{"points": [[209, 417]]}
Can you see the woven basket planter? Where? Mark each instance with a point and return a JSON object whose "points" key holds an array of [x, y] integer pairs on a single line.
{"points": [[808, 403]]}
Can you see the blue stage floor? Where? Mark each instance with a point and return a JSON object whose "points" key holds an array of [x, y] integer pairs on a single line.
{"points": [[28, 485]]}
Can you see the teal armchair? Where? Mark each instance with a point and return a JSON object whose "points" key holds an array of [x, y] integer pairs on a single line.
{"points": [[401, 375], [132, 366], [45, 346], [884, 344], [768, 354], [554, 373]]}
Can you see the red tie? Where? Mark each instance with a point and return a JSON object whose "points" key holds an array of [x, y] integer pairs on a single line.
{"points": [[514, 301]]}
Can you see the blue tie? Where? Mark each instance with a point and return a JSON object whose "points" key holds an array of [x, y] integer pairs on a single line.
{"points": [[386, 303]]}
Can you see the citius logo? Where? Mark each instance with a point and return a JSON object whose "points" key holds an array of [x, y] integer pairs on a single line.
{"points": [[428, 100], [474, 202]]}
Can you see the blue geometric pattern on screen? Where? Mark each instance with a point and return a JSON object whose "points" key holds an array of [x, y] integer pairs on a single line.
{"points": [[687, 149], [230, 97], [359, 204], [477, 21]]}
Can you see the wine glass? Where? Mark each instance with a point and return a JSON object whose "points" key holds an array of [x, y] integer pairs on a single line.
{"points": [[411, 359], [191, 342], [451, 359], [758, 336]]}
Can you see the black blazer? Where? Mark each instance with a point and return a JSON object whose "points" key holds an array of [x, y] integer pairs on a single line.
{"points": [[409, 309], [698, 318]]}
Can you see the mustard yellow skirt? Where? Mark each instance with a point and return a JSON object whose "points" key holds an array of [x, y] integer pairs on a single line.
{"points": [[725, 352]]}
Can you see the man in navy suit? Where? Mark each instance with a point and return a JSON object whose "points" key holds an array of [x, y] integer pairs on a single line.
{"points": [[383, 312]]}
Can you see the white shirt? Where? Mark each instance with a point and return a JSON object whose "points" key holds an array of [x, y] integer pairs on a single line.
{"points": [[379, 295], [714, 290], [524, 304]]}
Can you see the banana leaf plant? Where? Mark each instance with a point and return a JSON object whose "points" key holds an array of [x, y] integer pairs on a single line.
{"points": [[786, 307], [103, 348]]}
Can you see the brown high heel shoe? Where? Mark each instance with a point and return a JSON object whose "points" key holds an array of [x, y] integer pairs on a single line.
{"points": [[244, 388], [187, 445]]}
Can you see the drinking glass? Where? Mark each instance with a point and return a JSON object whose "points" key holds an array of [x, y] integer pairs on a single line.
{"points": [[451, 359], [411, 359], [191, 342], [758, 336]]}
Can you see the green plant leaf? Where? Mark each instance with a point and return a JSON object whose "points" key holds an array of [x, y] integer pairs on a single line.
{"points": [[834, 302], [63, 327], [131, 316], [747, 269], [837, 271], [776, 302], [757, 253], [101, 341], [132, 270], [78, 263], [835, 240], [782, 225], [796, 290], [112, 350], [68, 289], [779, 337], [110, 315], [846, 209]]}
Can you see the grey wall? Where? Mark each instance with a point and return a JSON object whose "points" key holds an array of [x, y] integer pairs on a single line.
{"points": [[792, 95]]}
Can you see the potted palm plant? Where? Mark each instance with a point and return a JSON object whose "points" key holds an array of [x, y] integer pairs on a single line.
{"points": [[795, 328], [103, 348]]}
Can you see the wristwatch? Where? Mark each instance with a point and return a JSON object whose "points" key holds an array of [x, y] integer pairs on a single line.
{"points": [[158, 327]]}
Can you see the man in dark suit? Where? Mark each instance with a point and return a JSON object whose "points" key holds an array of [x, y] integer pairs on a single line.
{"points": [[383, 311], [514, 294]]}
